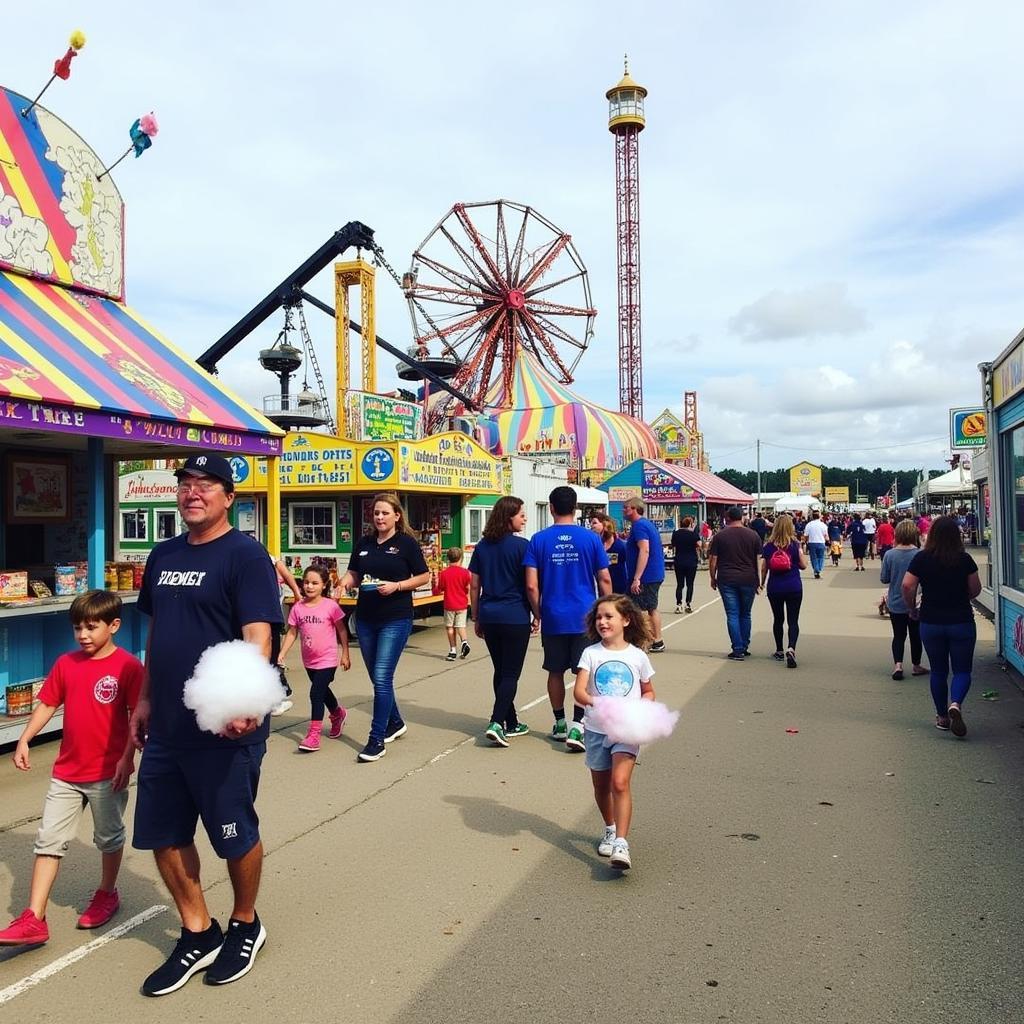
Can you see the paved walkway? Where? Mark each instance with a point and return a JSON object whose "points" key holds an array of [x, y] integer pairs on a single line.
{"points": [[862, 868]]}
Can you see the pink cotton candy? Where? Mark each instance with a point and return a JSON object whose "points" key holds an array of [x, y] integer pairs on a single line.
{"points": [[632, 721], [148, 124]]}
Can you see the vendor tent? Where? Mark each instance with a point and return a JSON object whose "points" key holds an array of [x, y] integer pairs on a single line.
{"points": [[796, 503], [956, 482]]}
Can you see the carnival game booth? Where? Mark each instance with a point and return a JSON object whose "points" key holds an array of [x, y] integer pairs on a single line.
{"points": [[84, 381], [327, 486], [670, 492]]}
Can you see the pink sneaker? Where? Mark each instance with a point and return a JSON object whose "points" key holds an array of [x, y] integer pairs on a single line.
{"points": [[337, 722], [102, 907], [312, 741], [26, 930]]}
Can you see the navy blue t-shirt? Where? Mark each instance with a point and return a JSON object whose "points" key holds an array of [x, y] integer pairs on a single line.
{"points": [[394, 560], [654, 572], [567, 559], [617, 566], [499, 564], [199, 595]]}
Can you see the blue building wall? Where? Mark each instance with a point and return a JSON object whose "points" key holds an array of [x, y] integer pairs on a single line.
{"points": [[630, 476], [1010, 613]]}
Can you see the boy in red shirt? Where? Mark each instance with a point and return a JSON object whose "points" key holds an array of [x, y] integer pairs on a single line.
{"points": [[454, 584], [98, 686]]}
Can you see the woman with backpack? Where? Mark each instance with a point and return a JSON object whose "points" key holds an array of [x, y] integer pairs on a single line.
{"points": [[782, 558]]}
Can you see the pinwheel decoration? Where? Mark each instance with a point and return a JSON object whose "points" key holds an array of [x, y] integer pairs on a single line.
{"points": [[141, 133], [61, 66]]}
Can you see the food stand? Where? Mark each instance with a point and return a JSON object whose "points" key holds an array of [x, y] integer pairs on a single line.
{"points": [[84, 382]]}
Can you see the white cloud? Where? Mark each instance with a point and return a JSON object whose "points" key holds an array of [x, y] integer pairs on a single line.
{"points": [[814, 311]]}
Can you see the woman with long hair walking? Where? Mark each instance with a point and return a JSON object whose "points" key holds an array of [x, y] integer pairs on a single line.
{"points": [[685, 554], [603, 525], [782, 558], [948, 578], [894, 566]]}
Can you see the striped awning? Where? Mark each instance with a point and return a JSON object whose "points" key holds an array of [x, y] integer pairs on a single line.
{"points": [[710, 487], [65, 348]]}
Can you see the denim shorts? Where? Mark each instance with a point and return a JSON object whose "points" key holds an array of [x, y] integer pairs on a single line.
{"points": [[600, 749], [562, 651], [647, 599], [178, 786], [62, 811]]}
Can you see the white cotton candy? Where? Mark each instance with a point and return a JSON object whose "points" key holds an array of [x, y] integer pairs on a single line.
{"points": [[232, 680], [631, 721]]}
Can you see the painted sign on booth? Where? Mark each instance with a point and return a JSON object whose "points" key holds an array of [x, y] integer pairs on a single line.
{"points": [[665, 487], [805, 478]]}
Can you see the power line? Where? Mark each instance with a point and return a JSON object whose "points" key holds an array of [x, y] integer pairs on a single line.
{"points": [[847, 451], [739, 451]]}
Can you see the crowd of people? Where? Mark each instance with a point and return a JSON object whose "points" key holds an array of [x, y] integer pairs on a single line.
{"points": [[590, 593]]}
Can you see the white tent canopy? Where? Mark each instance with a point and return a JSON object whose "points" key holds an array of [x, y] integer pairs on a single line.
{"points": [[956, 481], [796, 503]]}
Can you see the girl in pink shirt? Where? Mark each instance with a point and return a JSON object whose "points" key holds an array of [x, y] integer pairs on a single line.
{"points": [[318, 620]]}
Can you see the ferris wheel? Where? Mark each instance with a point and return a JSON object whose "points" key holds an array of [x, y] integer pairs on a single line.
{"points": [[493, 279]]}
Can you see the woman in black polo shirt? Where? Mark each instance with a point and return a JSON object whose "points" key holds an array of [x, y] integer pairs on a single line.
{"points": [[387, 566]]}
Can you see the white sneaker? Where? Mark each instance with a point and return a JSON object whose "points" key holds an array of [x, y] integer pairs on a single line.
{"points": [[280, 709], [679, 609], [606, 843], [620, 854]]}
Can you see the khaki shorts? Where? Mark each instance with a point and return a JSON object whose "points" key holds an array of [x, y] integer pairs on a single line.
{"points": [[456, 619], [65, 802]]}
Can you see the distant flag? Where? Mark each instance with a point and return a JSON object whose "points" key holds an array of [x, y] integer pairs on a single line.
{"points": [[141, 133], [61, 66]]}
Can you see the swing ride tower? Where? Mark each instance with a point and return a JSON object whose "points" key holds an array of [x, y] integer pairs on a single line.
{"points": [[626, 122]]}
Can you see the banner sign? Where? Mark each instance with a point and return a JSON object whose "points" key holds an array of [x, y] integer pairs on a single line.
{"points": [[805, 478], [660, 486], [967, 429], [378, 418], [837, 495], [452, 462]]}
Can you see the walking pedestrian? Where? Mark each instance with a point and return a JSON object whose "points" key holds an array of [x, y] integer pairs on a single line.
{"points": [[501, 611], [645, 566], [685, 545], [732, 571], [566, 568], [615, 548], [870, 526], [816, 533], [204, 587], [781, 561], [858, 541], [894, 566], [885, 535], [760, 525], [387, 565], [949, 581], [453, 583]]}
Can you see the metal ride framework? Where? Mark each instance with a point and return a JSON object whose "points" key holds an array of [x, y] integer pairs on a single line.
{"points": [[517, 285]]}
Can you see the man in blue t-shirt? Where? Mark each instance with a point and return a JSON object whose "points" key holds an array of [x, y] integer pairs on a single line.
{"points": [[566, 569], [645, 565], [211, 585]]}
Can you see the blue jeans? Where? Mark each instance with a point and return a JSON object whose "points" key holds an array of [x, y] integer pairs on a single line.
{"points": [[949, 646], [381, 644], [737, 601], [816, 553]]}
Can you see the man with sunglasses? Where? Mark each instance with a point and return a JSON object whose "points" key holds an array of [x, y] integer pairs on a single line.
{"points": [[209, 585]]}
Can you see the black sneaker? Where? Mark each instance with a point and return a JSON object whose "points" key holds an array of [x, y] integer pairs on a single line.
{"points": [[236, 957], [373, 751], [735, 656], [465, 649], [394, 731], [450, 656], [658, 646], [193, 952]]}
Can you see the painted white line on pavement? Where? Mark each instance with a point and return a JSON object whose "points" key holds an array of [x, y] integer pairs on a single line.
{"points": [[7, 994], [696, 611]]}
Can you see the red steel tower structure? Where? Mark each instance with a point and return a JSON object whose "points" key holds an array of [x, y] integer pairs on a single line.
{"points": [[626, 122]]}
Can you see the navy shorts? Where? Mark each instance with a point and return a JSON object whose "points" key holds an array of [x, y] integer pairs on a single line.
{"points": [[647, 599], [562, 651], [178, 786]]}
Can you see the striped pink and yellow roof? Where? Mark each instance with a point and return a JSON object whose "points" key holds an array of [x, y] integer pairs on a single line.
{"points": [[543, 416]]}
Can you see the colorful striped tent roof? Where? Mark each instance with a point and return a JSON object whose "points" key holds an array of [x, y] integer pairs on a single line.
{"points": [[541, 416], [63, 346]]}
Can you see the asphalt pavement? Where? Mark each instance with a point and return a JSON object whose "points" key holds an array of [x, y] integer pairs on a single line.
{"points": [[807, 847]]}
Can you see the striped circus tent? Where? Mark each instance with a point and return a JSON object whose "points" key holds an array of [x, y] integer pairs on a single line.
{"points": [[543, 417]]}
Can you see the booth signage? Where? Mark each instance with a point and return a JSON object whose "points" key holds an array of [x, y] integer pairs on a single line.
{"points": [[452, 462], [148, 485], [837, 495], [379, 418], [805, 478], [623, 493], [1008, 376], [967, 429], [65, 419], [665, 487], [309, 462]]}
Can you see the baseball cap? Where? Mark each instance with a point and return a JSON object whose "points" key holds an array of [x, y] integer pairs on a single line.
{"points": [[208, 464]]}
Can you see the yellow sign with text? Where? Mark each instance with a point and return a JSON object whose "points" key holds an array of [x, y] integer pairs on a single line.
{"points": [[805, 478], [447, 462], [837, 495]]}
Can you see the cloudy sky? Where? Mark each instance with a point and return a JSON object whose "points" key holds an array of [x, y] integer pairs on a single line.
{"points": [[832, 194]]}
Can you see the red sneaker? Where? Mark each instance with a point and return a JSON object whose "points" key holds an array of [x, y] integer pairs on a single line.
{"points": [[26, 930], [102, 907], [337, 722]]}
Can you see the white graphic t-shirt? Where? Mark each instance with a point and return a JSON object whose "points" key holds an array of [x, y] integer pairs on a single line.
{"points": [[615, 673]]}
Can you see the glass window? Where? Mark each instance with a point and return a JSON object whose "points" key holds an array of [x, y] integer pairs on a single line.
{"points": [[1016, 555], [543, 516], [134, 524], [166, 524], [476, 524], [311, 525]]}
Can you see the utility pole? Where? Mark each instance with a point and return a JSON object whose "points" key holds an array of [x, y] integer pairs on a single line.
{"points": [[759, 474]]}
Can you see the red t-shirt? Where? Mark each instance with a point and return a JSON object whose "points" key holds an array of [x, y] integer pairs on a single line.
{"points": [[98, 695], [885, 535], [454, 584]]}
